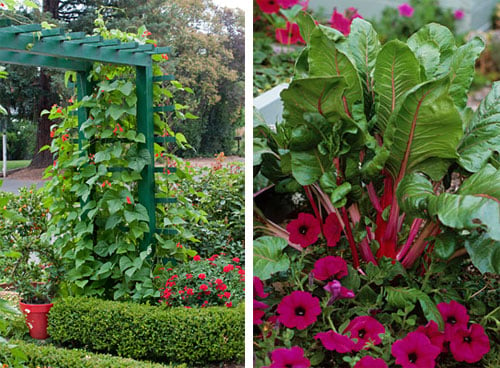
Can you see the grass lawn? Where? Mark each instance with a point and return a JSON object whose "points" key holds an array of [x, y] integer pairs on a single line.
{"points": [[15, 164]]}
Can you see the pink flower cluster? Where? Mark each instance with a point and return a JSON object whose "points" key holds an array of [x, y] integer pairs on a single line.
{"points": [[342, 22], [418, 349], [274, 6], [306, 229]]}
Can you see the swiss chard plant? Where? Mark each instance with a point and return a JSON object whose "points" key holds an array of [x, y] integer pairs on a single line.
{"points": [[379, 189], [381, 136]]}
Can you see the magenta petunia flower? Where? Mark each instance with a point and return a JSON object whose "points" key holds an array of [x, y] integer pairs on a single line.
{"points": [[258, 313], [364, 329], [258, 288], [352, 13], [332, 230], [285, 4], [370, 362], [459, 14], [431, 330], [469, 344], [304, 230], [293, 358], [415, 351], [330, 267], [299, 309], [334, 341], [268, 6], [338, 291], [289, 35], [406, 10], [340, 23], [454, 315]]}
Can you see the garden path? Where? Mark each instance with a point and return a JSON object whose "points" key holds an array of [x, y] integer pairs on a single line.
{"points": [[28, 177]]}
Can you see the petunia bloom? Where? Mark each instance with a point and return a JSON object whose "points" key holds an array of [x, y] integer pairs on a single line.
{"points": [[338, 291], [454, 316], [363, 329], [304, 230], [370, 362], [340, 23], [285, 4], [258, 312], [330, 267], [258, 288], [268, 6], [293, 357], [289, 35], [469, 344], [299, 309], [332, 229], [415, 351], [334, 341], [459, 14], [431, 330], [406, 10]]}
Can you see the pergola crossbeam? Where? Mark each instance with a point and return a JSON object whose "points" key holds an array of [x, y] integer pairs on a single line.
{"points": [[12, 57]]}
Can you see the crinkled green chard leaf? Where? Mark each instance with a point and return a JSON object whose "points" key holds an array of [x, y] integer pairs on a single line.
{"points": [[475, 206], [396, 72], [319, 95], [364, 45], [462, 69], [422, 135], [326, 59], [268, 256], [482, 135], [434, 46], [484, 253]]}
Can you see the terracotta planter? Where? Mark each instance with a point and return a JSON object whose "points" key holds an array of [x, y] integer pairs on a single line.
{"points": [[36, 319]]}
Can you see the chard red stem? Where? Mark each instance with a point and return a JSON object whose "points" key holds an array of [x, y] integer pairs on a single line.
{"points": [[373, 197], [415, 226], [364, 246], [350, 238], [307, 189], [418, 248]]}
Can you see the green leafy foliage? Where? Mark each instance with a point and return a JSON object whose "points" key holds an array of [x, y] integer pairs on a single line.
{"points": [[269, 257], [51, 356], [147, 332], [98, 223]]}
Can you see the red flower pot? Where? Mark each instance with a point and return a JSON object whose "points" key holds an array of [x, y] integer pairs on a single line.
{"points": [[36, 319]]}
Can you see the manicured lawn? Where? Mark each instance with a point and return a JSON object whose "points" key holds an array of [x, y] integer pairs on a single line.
{"points": [[15, 164]]}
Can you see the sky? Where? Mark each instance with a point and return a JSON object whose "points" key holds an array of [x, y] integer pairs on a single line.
{"points": [[231, 3]]}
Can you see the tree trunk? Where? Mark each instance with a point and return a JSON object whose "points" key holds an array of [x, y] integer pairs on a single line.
{"points": [[45, 102]]}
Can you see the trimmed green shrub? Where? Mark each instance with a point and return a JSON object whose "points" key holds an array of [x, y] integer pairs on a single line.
{"points": [[50, 356], [195, 336]]}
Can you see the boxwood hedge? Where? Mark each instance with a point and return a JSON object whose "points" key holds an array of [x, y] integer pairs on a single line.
{"points": [[162, 334], [50, 356]]}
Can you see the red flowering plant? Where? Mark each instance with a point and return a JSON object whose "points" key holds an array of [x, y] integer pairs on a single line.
{"points": [[387, 251], [215, 281]]}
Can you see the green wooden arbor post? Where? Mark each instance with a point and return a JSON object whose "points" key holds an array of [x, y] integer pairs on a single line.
{"points": [[30, 45]]}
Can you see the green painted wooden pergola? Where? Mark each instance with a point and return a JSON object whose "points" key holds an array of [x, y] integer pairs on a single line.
{"points": [[31, 45]]}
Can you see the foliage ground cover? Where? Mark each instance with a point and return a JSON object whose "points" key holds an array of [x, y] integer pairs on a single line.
{"points": [[390, 255]]}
